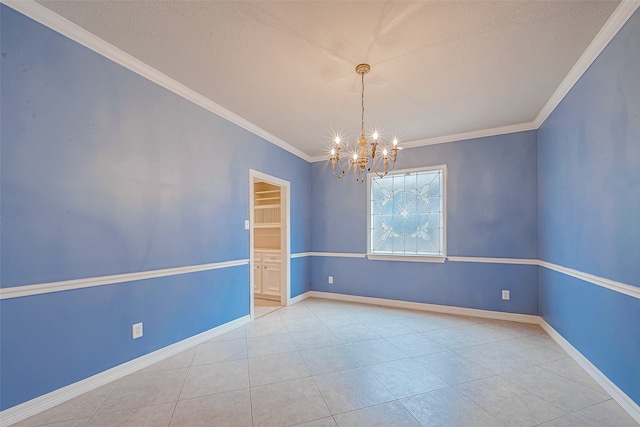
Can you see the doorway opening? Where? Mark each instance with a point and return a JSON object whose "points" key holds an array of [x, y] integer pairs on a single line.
{"points": [[269, 243]]}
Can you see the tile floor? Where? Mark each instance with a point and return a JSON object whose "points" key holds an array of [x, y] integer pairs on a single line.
{"points": [[328, 363], [262, 307]]}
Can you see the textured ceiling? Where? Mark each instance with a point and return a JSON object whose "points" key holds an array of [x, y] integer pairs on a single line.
{"points": [[438, 67]]}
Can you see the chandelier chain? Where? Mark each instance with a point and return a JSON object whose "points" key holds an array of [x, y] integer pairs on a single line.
{"points": [[362, 101]]}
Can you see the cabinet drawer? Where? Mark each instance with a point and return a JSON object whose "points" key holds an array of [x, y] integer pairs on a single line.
{"points": [[271, 258]]}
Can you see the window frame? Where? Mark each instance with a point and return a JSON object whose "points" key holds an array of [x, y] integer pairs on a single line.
{"points": [[409, 257]]}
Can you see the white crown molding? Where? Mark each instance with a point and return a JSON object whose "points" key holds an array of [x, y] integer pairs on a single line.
{"points": [[481, 133], [474, 312], [45, 288], [608, 31], [502, 130], [78, 34], [61, 395], [623, 12], [316, 159], [618, 395], [50, 19]]}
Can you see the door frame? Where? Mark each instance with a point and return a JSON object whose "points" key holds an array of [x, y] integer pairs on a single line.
{"points": [[285, 234]]}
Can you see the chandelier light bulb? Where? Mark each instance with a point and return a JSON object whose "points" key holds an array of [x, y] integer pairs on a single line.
{"points": [[395, 141], [333, 151], [355, 156], [337, 140], [375, 135], [384, 152]]}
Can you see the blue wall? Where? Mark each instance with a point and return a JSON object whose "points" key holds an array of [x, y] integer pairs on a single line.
{"points": [[491, 212], [104, 172], [589, 210]]}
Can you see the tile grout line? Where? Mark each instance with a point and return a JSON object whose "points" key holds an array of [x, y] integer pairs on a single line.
{"points": [[186, 375], [525, 334], [367, 370], [250, 386], [102, 402], [312, 376]]}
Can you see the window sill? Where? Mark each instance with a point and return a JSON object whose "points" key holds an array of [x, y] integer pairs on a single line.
{"points": [[410, 258]]}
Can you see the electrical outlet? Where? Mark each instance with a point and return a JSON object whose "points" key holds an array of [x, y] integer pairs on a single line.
{"points": [[136, 330], [505, 294], [330, 280], [246, 224]]}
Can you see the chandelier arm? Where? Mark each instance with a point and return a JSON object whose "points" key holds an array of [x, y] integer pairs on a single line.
{"points": [[388, 162], [376, 169], [341, 174], [337, 164]]}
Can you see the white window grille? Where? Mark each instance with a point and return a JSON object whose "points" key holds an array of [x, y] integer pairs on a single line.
{"points": [[407, 213]]}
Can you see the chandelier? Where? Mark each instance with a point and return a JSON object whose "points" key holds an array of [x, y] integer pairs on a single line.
{"points": [[367, 155]]}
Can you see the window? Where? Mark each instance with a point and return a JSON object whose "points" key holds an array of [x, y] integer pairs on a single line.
{"points": [[407, 215]]}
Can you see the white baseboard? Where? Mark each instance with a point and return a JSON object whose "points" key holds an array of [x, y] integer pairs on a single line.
{"points": [[487, 314], [625, 402], [61, 395], [49, 400], [618, 395], [300, 297]]}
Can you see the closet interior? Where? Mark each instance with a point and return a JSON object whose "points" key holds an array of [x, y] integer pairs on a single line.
{"points": [[267, 229]]}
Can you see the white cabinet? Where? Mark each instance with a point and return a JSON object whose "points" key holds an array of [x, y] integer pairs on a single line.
{"points": [[267, 274], [257, 274]]}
